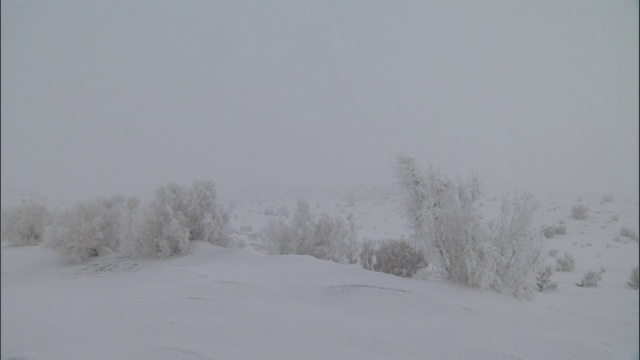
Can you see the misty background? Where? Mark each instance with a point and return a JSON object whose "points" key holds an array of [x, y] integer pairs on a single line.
{"points": [[104, 97]]}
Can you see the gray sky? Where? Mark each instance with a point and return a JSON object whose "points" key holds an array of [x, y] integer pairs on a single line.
{"points": [[103, 97]]}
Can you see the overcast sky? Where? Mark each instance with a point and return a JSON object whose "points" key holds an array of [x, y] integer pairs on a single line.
{"points": [[104, 97]]}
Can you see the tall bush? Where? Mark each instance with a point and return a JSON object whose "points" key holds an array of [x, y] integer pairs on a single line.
{"points": [[446, 222]]}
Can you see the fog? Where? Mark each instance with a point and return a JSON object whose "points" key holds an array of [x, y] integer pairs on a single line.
{"points": [[104, 97]]}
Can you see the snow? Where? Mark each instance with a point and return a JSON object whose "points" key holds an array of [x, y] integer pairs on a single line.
{"points": [[219, 303]]}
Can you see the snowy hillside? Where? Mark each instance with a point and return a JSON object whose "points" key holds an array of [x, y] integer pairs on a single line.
{"points": [[220, 303]]}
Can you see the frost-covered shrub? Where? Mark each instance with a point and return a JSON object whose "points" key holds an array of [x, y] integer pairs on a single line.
{"points": [[591, 279], [446, 222], [25, 224], [553, 252], [566, 263], [543, 280], [332, 239], [179, 214], [396, 257], [549, 231], [579, 212], [628, 233], [328, 238], [86, 228], [634, 279]]}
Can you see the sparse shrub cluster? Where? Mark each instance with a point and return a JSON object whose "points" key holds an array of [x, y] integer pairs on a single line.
{"points": [[566, 263], [328, 238], [579, 212], [176, 216], [634, 278], [543, 280], [445, 220], [396, 257], [25, 224], [591, 278], [628, 233]]}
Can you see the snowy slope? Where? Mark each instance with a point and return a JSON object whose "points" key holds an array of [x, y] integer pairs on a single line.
{"points": [[237, 304]]}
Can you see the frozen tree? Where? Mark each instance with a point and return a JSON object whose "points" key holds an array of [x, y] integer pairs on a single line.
{"points": [[86, 228], [446, 224], [25, 224]]}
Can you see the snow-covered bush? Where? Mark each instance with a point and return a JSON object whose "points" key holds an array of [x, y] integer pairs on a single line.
{"points": [[553, 252], [446, 224], [579, 212], [328, 238], [628, 233], [333, 239], [25, 224], [591, 278], [566, 263], [560, 229], [179, 214], [634, 279], [549, 231], [543, 280], [396, 257], [86, 228]]}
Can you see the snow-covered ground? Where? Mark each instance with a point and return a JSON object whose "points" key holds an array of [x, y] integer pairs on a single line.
{"points": [[222, 303]]}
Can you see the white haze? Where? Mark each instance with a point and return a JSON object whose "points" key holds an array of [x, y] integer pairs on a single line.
{"points": [[103, 97]]}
